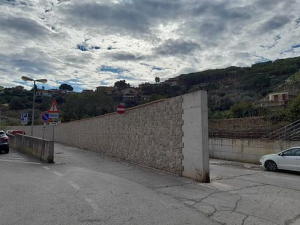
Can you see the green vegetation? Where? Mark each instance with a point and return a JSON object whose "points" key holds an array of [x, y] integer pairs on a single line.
{"points": [[292, 112], [233, 92], [66, 87], [79, 106]]}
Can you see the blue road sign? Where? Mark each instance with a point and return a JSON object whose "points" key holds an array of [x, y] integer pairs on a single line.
{"points": [[24, 116], [44, 117], [53, 115]]}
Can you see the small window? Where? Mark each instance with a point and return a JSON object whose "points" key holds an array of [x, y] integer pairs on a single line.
{"points": [[284, 97]]}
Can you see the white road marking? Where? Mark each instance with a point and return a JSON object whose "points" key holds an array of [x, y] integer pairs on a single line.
{"points": [[93, 204], [58, 174], [74, 185], [17, 161], [45, 167]]}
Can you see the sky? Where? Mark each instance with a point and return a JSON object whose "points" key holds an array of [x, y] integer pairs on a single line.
{"points": [[90, 43]]}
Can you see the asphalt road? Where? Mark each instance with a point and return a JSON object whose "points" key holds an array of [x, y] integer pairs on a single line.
{"points": [[84, 187]]}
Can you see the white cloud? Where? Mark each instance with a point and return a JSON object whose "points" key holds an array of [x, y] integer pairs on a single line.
{"points": [[68, 41]]}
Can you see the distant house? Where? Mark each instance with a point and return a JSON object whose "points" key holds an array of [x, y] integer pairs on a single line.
{"points": [[8, 90], [129, 94], [105, 89], [87, 91], [277, 99], [43, 93], [18, 88], [172, 81]]}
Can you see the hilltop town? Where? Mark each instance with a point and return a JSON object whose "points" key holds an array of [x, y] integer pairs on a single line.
{"points": [[265, 90]]}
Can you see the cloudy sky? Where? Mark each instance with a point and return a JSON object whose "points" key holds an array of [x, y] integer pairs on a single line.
{"points": [[87, 43]]}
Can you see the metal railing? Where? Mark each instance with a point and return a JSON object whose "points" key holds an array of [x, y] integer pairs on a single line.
{"points": [[289, 132], [237, 134]]}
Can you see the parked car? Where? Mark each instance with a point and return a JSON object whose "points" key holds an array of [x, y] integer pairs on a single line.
{"points": [[13, 132], [4, 145], [288, 159]]}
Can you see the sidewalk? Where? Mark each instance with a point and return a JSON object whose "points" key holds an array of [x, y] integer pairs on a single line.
{"points": [[239, 194]]}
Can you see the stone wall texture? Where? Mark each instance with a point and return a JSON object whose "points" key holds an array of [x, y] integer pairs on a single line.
{"points": [[149, 135], [152, 135]]}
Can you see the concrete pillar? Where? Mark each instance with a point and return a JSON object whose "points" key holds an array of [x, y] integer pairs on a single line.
{"points": [[195, 139]]}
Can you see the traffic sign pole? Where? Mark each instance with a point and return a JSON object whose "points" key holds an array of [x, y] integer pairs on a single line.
{"points": [[44, 129], [53, 134]]}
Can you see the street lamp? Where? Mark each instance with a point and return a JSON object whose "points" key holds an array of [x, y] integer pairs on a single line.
{"points": [[39, 80]]}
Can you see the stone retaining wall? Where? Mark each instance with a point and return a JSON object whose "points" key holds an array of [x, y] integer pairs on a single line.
{"points": [[246, 150], [150, 135]]}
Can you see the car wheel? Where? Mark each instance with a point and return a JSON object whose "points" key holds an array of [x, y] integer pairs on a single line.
{"points": [[271, 165]]}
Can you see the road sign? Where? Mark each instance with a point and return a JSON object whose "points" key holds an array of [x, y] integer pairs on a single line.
{"points": [[53, 115], [121, 109], [44, 117], [53, 123], [53, 108], [24, 118]]}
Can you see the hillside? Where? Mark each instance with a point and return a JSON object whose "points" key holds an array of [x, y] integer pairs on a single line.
{"points": [[244, 85], [233, 92]]}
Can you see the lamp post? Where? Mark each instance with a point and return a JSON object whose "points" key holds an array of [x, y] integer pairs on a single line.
{"points": [[39, 80]]}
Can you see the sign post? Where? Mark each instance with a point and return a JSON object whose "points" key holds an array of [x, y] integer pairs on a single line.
{"points": [[53, 115], [44, 118], [24, 118], [24, 121]]}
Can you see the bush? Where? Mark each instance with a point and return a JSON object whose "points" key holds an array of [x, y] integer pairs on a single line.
{"points": [[292, 112]]}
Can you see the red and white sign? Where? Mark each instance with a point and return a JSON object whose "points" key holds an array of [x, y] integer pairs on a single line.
{"points": [[53, 108], [121, 109]]}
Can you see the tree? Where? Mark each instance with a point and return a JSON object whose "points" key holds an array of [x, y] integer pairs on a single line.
{"points": [[121, 85], [80, 106], [157, 79], [66, 87], [292, 112], [243, 109], [16, 104]]}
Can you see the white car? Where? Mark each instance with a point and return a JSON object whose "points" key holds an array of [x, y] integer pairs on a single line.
{"points": [[288, 159]]}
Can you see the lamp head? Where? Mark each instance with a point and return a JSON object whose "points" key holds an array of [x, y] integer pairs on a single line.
{"points": [[27, 78], [42, 80]]}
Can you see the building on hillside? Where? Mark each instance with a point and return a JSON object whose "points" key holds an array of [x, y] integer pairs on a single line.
{"points": [[42, 93], [67, 92], [55, 91], [129, 94], [87, 91], [107, 90], [172, 81], [277, 100], [1, 90], [8, 90], [18, 88]]}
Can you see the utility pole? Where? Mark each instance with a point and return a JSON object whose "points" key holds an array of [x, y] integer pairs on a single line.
{"points": [[0, 119]]}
